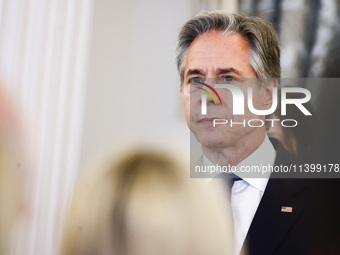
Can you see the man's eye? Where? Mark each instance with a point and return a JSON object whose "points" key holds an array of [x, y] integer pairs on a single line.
{"points": [[227, 78], [196, 80]]}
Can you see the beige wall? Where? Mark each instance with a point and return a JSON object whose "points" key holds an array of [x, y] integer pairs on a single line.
{"points": [[133, 87]]}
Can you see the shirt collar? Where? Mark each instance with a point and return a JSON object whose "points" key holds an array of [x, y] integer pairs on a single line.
{"points": [[263, 155]]}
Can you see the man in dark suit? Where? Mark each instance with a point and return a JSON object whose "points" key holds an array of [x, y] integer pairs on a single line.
{"points": [[272, 215]]}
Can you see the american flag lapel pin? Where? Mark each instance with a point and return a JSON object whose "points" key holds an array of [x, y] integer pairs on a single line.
{"points": [[287, 209]]}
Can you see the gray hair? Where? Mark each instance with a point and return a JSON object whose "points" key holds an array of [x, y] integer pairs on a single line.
{"points": [[263, 40]]}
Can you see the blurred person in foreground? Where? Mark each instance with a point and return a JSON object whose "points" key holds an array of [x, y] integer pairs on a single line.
{"points": [[10, 175], [145, 204], [271, 213]]}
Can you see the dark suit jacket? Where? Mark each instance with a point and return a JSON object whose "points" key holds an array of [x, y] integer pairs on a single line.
{"points": [[309, 229]]}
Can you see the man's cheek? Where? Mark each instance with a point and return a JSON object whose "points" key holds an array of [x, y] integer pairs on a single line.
{"points": [[186, 103]]}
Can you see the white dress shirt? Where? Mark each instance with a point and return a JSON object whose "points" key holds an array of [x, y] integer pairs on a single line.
{"points": [[246, 194]]}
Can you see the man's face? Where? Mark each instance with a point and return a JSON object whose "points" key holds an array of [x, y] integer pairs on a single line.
{"points": [[215, 58]]}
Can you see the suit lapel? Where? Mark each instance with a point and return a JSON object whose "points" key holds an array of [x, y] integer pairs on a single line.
{"points": [[270, 225]]}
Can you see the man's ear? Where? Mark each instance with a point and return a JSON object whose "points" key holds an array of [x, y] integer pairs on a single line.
{"points": [[268, 93]]}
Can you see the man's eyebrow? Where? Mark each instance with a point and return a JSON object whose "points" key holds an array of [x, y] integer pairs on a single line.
{"points": [[195, 71], [220, 71]]}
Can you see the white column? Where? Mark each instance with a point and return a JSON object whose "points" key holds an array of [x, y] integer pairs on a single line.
{"points": [[43, 60]]}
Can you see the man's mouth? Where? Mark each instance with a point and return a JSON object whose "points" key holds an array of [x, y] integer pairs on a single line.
{"points": [[208, 120]]}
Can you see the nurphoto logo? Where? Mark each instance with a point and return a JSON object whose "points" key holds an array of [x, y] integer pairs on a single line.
{"points": [[239, 104]]}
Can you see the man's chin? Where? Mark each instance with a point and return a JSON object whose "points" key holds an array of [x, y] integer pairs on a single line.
{"points": [[211, 142]]}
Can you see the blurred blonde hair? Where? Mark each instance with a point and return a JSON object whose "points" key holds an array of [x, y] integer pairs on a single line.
{"points": [[11, 179], [10, 186], [146, 204]]}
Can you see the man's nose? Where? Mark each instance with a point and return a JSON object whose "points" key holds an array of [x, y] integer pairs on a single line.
{"points": [[208, 93], [211, 82], [214, 97]]}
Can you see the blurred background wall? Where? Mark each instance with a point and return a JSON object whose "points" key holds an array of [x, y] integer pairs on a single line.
{"points": [[91, 76], [133, 91]]}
